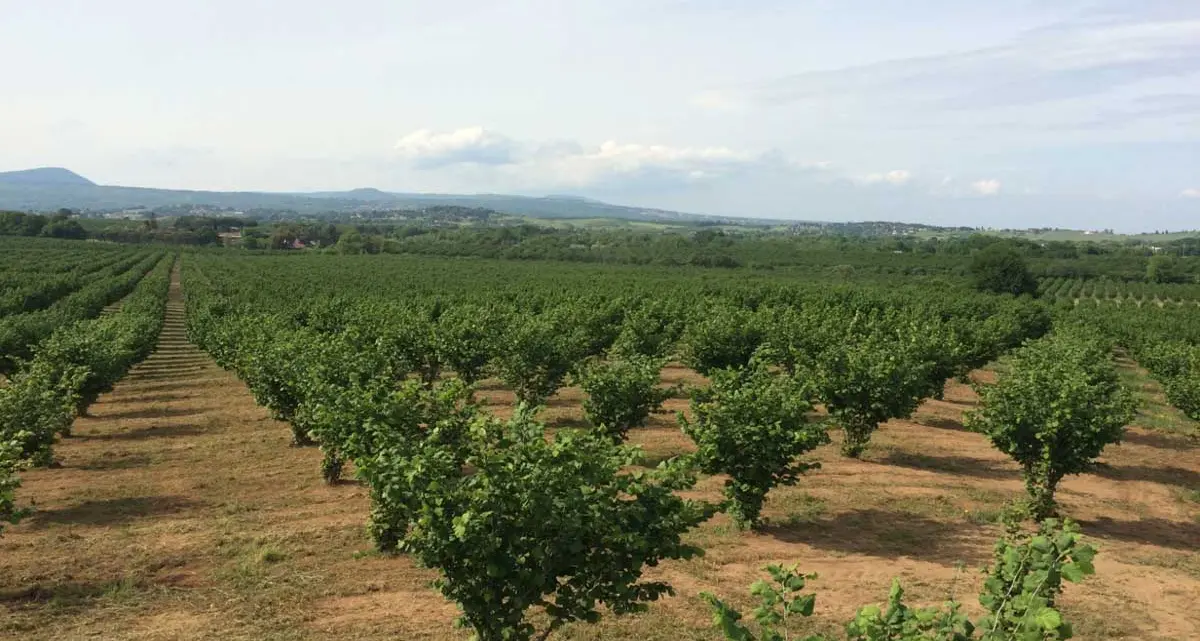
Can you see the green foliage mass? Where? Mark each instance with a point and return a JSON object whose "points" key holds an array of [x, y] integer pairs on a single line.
{"points": [[1055, 409], [375, 357], [721, 337], [543, 523], [882, 371], [10, 465], [534, 357], [21, 333], [69, 368], [1001, 270], [649, 330], [1019, 597], [621, 394], [1163, 268], [466, 342], [752, 425]]}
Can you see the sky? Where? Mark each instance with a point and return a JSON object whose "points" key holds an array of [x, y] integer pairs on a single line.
{"points": [[1069, 113]]}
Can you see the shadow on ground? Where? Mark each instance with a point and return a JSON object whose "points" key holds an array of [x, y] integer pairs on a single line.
{"points": [[153, 398], [113, 511], [1176, 476], [941, 423], [959, 465], [150, 412], [1162, 441], [117, 462], [886, 534], [1152, 531], [154, 431]]}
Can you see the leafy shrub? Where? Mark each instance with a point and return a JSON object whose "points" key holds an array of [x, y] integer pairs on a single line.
{"points": [[621, 394], [467, 340], [1168, 359], [93, 347], [1054, 411], [38, 404], [10, 464], [725, 337], [999, 269], [589, 326], [1019, 597], [404, 442], [1177, 365], [751, 425], [1184, 393], [534, 358], [870, 380], [337, 382], [648, 331], [795, 338], [410, 338], [273, 370], [537, 523], [355, 416]]}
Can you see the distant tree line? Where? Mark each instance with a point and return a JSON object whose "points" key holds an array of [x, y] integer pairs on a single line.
{"points": [[184, 230], [289, 235], [722, 247], [446, 230], [60, 225]]}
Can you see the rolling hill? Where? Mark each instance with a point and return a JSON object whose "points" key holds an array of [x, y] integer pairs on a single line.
{"points": [[44, 176], [48, 189]]}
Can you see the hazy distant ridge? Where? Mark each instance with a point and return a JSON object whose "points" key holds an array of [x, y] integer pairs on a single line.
{"points": [[47, 176], [48, 189]]}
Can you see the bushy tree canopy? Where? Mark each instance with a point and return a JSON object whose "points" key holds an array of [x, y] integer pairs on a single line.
{"points": [[998, 268], [1060, 403]]}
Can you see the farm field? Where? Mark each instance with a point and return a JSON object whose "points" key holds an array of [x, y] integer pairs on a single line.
{"points": [[47, 285], [180, 507], [1079, 290], [666, 320]]}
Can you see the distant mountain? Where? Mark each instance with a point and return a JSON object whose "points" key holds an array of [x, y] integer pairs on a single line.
{"points": [[44, 176], [51, 188], [364, 194]]}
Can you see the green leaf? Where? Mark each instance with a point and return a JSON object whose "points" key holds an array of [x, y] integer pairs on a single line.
{"points": [[803, 605], [1049, 619]]}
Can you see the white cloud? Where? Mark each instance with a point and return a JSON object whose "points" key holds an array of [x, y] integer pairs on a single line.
{"points": [[1190, 193], [477, 158], [989, 187], [428, 149], [631, 157], [565, 165], [1071, 60], [569, 164], [893, 177], [1105, 45]]}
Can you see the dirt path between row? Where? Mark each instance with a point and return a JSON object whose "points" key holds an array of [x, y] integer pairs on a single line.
{"points": [[170, 513], [180, 512]]}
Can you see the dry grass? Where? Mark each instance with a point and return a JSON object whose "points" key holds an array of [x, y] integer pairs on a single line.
{"points": [[180, 512]]}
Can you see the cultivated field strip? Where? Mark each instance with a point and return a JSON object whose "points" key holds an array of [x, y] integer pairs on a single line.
{"points": [[179, 511]]}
